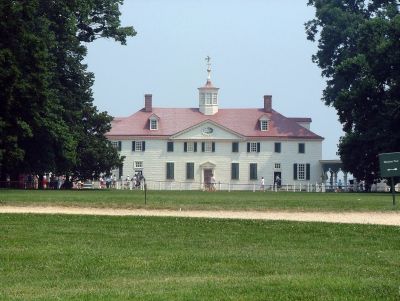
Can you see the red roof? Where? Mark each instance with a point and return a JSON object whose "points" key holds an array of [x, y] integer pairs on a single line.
{"points": [[244, 122]]}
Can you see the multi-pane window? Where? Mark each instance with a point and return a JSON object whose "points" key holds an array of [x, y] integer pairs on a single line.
{"points": [[277, 147], [153, 124], [170, 170], [190, 147], [214, 98], [264, 125], [301, 171], [138, 146], [189, 170], [235, 171], [202, 98], [277, 165], [138, 164], [116, 145], [253, 171], [302, 148], [208, 98], [170, 146], [253, 147], [208, 147]]}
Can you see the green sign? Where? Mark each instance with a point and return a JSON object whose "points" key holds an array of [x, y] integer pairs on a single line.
{"points": [[389, 164]]}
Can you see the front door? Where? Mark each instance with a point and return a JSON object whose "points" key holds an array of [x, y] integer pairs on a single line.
{"points": [[207, 177], [277, 179]]}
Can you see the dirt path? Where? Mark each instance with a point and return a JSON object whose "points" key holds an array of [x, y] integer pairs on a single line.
{"points": [[377, 218]]}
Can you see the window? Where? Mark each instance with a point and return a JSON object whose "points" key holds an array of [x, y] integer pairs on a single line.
{"points": [[153, 124], [235, 147], [214, 98], [302, 148], [190, 147], [117, 145], [301, 171], [208, 147], [235, 171], [277, 147], [277, 165], [253, 171], [170, 146], [253, 147], [190, 171], [170, 170], [138, 146], [202, 98], [264, 125], [208, 98], [138, 164]]}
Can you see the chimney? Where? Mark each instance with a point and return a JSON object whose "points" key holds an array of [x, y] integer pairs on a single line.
{"points": [[148, 106], [268, 103]]}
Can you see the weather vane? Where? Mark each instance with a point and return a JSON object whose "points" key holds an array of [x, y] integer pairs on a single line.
{"points": [[208, 59]]}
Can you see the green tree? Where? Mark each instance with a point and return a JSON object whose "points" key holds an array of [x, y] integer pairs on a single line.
{"points": [[47, 118], [359, 54]]}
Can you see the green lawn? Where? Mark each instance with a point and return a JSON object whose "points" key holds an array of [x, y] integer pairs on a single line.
{"points": [[135, 258], [238, 200]]}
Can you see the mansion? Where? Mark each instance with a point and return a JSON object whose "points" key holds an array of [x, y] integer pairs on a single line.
{"points": [[235, 146]]}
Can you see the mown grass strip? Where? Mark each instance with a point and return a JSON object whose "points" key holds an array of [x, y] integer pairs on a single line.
{"points": [[199, 200], [136, 258]]}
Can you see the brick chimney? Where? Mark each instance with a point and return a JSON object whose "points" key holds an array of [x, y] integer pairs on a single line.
{"points": [[268, 103], [148, 106]]}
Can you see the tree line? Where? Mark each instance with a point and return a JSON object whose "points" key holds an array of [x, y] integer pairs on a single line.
{"points": [[359, 55], [48, 121]]}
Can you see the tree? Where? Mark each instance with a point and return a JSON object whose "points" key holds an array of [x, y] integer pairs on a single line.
{"points": [[359, 54], [47, 118]]}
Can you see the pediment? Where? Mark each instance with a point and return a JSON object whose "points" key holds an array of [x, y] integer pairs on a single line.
{"points": [[207, 164], [207, 130]]}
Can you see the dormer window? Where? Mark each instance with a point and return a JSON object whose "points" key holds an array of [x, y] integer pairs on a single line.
{"points": [[153, 124], [153, 121], [264, 124]]}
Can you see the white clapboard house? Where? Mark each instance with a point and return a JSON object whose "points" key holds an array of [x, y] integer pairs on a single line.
{"points": [[183, 147]]}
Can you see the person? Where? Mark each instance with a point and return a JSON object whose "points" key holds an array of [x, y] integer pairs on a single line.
{"points": [[135, 181], [340, 185], [108, 182], [35, 181], [127, 182], [278, 181], [212, 184], [8, 181], [114, 181], [262, 184], [44, 181]]}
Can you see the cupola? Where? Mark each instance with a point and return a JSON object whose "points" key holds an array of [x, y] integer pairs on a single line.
{"points": [[208, 94]]}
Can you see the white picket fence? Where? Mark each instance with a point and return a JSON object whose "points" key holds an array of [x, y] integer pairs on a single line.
{"points": [[182, 186]]}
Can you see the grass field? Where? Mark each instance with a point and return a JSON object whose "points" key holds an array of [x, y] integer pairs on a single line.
{"points": [[135, 258], [238, 200]]}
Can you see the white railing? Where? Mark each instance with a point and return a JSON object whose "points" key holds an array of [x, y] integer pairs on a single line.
{"points": [[220, 186]]}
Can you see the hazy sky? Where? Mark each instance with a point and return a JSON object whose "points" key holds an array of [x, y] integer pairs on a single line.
{"points": [[257, 47]]}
